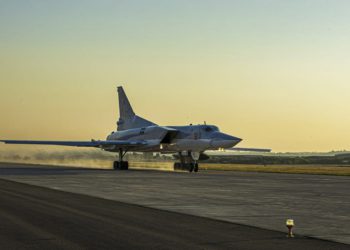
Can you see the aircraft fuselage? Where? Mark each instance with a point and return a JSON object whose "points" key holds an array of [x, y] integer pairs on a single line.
{"points": [[168, 139]]}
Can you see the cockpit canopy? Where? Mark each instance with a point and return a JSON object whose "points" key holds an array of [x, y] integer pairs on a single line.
{"points": [[210, 128]]}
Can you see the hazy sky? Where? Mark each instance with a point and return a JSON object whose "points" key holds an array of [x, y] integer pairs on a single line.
{"points": [[275, 73]]}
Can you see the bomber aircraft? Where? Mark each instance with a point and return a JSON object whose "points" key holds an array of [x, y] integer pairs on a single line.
{"points": [[136, 134]]}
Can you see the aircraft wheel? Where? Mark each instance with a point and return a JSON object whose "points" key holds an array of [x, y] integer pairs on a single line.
{"points": [[191, 167], [116, 165], [123, 165], [196, 167]]}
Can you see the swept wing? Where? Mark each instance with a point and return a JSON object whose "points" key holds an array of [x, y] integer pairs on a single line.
{"points": [[92, 143]]}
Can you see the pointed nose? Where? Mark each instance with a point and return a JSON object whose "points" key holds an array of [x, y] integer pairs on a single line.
{"points": [[222, 140]]}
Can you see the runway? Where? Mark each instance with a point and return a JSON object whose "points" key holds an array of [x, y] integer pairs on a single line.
{"points": [[40, 218], [318, 204]]}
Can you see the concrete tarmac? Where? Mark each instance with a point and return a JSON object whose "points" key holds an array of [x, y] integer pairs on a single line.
{"points": [[40, 218], [320, 205]]}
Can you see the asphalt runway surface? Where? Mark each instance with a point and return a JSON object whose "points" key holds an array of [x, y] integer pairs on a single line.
{"points": [[249, 201], [39, 218]]}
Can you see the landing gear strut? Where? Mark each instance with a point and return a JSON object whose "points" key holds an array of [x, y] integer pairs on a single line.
{"points": [[121, 165]]}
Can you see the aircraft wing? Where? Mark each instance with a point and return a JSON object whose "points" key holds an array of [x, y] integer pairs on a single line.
{"points": [[91, 143], [250, 149]]}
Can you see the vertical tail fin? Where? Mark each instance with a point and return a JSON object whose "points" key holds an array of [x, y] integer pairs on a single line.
{"points": [[125, 109], [127, 117]]}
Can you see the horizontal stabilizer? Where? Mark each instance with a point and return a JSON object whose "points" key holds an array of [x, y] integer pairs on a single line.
{"points": [[250, 149], [91, 143]]}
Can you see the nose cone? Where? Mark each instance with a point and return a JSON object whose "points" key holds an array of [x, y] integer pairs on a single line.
{"points": [[221, 140]]}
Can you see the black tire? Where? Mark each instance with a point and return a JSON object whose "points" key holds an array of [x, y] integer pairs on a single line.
{"points": [[115, 165], [191, 167], [196, 167], [124, 165], [177, 166]]}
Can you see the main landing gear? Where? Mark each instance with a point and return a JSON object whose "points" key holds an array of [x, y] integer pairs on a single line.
{"points": [[190, 167], [120, 164], [188, 162]]}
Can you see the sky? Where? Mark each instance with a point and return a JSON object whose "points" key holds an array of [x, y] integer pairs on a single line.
{"points": [[273, 72]]}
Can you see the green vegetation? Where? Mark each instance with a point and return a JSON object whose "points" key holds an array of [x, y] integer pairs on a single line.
{"points": [[281, 159]]}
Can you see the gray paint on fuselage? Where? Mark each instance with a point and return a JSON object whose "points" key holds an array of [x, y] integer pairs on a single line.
{"points": [[184, 132], [200, 137]]}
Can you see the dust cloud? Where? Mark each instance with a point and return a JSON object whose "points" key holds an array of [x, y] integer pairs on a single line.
{"points": [[87, 158]]}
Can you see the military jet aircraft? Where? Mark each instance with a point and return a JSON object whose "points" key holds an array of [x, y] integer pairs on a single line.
{"points": [[136, 134]]}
